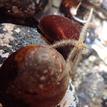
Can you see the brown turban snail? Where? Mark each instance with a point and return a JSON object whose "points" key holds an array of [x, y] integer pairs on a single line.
{"points": [[34, 75]]}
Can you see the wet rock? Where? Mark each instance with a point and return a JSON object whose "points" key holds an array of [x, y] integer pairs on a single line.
{"points": [[14, 37]]}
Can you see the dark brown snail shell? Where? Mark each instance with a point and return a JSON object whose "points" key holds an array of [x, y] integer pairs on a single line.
{"points": [[34, 75], [23, 8], [24, 12], [67, 5], [56, 28]]}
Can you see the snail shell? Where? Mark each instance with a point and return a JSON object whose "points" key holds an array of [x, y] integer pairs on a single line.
{"points": [[56, 28], [34, 75]]}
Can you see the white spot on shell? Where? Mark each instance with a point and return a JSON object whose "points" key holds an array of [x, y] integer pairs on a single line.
{"points": [[58, 83], [45, 71], [41, 86], [15, 9], [44, 57], [43, 78], [37, 1], [51, 73], [1, 105]]}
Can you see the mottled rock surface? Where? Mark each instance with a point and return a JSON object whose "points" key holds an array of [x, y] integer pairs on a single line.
{"points": [[13, 37]]}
